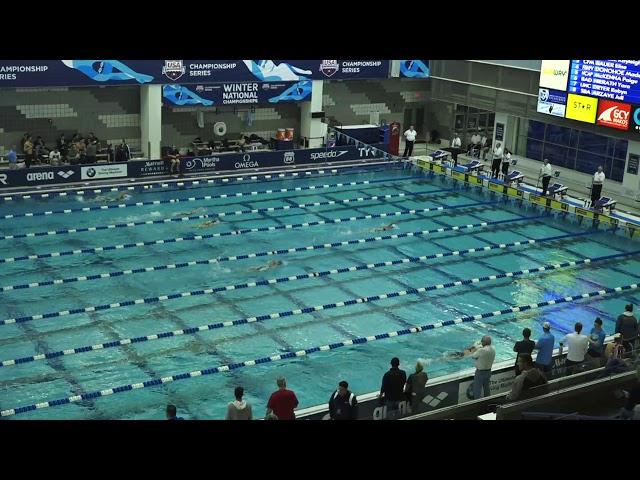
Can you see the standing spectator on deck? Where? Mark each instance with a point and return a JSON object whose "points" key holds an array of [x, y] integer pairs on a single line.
{"points": [[627, 325], [92, 150], [123, 152], [24, 139], [415, 388], [239, 409], [484, 357], [545, 172], [343, 405], [392, 389], [497, 159], [577, 346], [596, 185], [524, 346], [544, 345], [81, 151], [282, 402], [28, 151], [410, 138], [506, 162], [455, 144]]}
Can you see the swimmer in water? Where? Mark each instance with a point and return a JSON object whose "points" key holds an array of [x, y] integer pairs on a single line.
{"points": [[195, 211], [208, 223], [118, 198], [267, 266], [460, 355], [385, 228]]}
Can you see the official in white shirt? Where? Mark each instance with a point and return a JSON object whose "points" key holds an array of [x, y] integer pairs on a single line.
{"points": [[455, 143], [596, 186], [506, 161], [545, 172], [484, 358], [497, 159], [410, 138], [577, 346]]}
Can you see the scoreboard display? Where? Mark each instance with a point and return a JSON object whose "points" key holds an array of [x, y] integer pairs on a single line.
{"points": [[601, 92]]}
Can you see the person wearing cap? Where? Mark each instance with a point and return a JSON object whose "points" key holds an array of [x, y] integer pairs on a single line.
{"points": [[544, 345], [596, 340], [392, 389], [415, 388], [484, 357], [343, 405], [627, 325]]}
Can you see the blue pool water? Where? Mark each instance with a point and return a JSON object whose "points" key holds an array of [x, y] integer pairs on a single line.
{"points": [[312, 377]]}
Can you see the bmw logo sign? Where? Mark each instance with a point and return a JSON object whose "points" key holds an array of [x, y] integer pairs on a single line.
{"points": [[91, 172]]}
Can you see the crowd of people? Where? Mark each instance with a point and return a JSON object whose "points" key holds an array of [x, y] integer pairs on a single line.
{"points": [[583, 351], [77, 149]]}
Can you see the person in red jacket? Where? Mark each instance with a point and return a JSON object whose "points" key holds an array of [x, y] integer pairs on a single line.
{"points": [[282, 402]]}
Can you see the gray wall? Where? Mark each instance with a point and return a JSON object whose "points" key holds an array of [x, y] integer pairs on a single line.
{"points": [[180, 124], [349, 102]]}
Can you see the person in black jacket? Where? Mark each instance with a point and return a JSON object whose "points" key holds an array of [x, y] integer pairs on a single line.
{"points": [[526, 345], [343, 405], [392, 390], [627, 325]]}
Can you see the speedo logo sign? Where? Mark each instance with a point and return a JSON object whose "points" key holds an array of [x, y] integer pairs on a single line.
{"points": [[614, 114], [329, 154]]}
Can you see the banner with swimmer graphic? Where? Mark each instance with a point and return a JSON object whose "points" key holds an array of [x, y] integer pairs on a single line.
{"points": [[69, 73]]}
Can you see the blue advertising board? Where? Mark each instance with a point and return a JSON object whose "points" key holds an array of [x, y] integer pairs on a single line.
{"points": [[249, 160], [50, 73], [236, 93], [42, 176]]}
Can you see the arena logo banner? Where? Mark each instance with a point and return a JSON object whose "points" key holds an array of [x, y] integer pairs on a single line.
{"points": [[237, 93], [53, 73], [414, 68], [25, 177]]}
